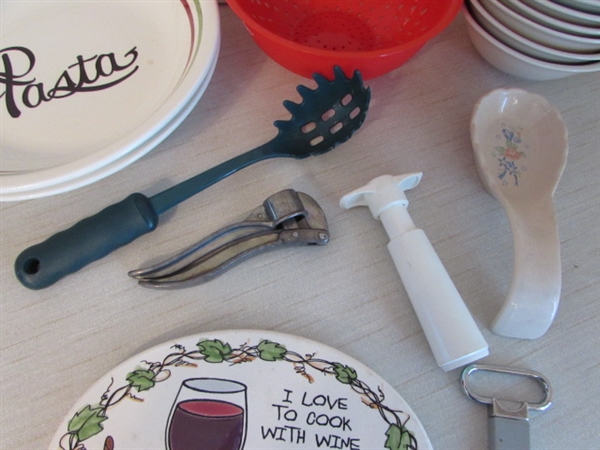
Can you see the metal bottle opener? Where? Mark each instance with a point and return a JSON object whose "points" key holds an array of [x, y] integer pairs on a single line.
{"points": [[508, 426], [286, 218]]}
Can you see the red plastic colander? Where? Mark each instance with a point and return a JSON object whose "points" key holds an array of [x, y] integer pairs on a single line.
{"points": [[373, 36]]}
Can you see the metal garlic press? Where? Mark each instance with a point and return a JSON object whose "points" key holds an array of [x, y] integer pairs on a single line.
{"points": [[285, 218]]}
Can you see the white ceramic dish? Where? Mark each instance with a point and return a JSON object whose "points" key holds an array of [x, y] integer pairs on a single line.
{"points": [[274, 391], [540, 33], [523, 45], [589, 6], [114, 75], [115, 166], [549, 21], [520, 143], [514, 63], [565, 13]]}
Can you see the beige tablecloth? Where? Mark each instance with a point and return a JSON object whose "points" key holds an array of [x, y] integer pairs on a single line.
{"points": [[56, 342]]}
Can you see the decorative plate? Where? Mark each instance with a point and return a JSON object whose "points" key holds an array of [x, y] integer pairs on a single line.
{"points": [[116, 165], [86, 82], [244, 389]]}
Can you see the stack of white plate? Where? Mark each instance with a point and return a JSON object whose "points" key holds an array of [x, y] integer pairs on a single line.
{"points": [[536, 39], [88, 87]]}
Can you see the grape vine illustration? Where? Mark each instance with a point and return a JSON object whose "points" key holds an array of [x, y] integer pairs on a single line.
{"points": [[89, 420]]}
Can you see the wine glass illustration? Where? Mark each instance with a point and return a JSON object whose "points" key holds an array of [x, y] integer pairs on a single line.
{"points": [[208, 414]]}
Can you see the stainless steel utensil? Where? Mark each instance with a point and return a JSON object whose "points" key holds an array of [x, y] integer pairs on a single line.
{"points": [[285, 218]]}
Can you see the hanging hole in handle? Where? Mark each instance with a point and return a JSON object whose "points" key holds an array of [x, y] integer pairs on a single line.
{"points": [[31, 266], [506, 384]]}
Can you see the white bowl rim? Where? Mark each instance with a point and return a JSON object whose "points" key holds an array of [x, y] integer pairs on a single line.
{"points": [[543, 28], [564, 68], [566, 13], [590, 6], [584, 58], [562, 25]]}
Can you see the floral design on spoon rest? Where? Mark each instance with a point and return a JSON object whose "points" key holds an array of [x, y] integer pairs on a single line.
{"points": [[509, 155]]}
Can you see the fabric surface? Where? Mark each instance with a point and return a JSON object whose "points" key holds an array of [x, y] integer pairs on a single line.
{"points": [[57, 342]]}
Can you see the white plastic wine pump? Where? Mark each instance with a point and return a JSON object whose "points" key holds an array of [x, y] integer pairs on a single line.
{"points": [[453, 335]]}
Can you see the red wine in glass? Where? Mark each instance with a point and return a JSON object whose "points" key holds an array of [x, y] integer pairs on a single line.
{"points": [[208, 414], [206, 425]]}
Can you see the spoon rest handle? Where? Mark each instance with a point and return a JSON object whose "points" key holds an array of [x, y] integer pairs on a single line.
{"points": [[534, 294]]}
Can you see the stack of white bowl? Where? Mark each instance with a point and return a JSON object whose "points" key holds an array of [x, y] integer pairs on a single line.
{"points": [[536, 39]]}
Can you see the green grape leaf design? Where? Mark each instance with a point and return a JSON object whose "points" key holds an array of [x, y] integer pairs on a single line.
{"points": [[215, 351], [141, 379], [398, 438], [87, 422], [344, 374], [271, 351]]}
